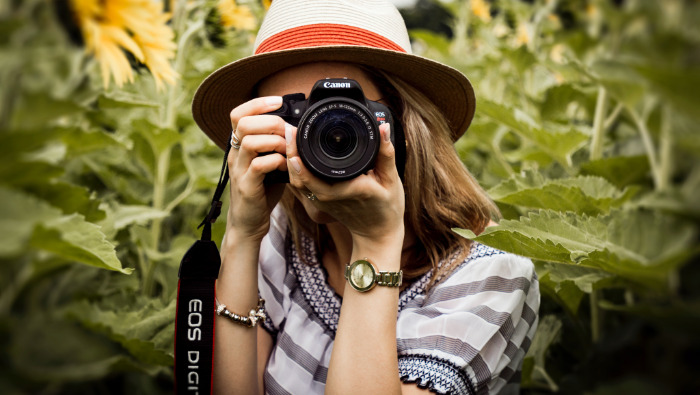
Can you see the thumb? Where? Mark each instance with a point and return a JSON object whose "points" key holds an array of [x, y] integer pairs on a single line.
{"points": [[386, 159]]}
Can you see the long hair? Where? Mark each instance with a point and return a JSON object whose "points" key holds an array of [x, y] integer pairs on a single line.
{"points": [[441, 194]]}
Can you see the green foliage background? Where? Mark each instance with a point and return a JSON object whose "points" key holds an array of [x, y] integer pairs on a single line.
{"points": [[585, 136]]}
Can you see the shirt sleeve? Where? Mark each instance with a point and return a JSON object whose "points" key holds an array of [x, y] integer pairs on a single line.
{"points": [[272, 269], [470, 333]]}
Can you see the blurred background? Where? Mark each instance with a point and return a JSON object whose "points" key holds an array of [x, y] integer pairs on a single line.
{"points": [[585, 135]]}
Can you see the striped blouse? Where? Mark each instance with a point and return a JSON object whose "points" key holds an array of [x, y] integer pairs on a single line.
{"points": [[468, 335]]}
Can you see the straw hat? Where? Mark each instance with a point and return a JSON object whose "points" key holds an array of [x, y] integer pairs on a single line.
{"points": [[365, 32]]}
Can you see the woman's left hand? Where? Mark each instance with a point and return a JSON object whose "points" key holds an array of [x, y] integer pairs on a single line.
{"points": [[371, 206]]}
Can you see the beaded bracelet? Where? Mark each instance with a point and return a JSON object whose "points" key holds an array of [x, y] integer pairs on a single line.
{"points": [[250, 321]]}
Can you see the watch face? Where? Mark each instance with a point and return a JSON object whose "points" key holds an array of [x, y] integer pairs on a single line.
{"points": [[362, 275]]}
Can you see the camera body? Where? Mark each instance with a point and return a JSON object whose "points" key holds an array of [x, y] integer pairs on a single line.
{"points": [[338, 130]]}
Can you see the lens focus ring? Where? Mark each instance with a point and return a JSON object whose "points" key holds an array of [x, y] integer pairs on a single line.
{"points": [[338, 139]]}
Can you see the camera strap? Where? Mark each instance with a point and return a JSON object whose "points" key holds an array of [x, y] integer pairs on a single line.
{"points": [[196, 304]]}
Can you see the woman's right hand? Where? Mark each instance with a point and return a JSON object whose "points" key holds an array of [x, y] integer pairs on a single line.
{"points": [[251, 200]]}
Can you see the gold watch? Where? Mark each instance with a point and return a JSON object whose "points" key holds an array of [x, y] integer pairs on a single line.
{"points": [[363, 276]]}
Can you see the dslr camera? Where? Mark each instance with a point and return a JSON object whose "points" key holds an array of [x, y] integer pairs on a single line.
{"points": [[338, 130]]}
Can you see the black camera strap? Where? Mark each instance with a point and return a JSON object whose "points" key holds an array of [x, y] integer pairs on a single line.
{"points": [[196, 303]]}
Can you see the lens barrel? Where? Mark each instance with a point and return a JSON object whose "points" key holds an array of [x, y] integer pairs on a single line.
{"points": [[337, 139]]}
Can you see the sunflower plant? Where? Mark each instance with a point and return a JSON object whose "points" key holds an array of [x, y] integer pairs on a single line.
{"points": [[584, 136], [105, 179]]}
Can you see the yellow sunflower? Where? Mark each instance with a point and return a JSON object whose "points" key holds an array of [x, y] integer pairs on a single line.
{"points": [[235, 16], [110, 27], [522, 35], [481, 9]]}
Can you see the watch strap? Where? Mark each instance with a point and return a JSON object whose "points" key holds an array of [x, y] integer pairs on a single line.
{"points": [[389, 279], [381, 278]]}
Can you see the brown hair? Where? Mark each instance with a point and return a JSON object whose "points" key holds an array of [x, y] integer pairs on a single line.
{"points": [[441, 194]]}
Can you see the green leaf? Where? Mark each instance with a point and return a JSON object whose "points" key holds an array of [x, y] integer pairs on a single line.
{"points": [[19, 214], [126, 215], [584, 195], [622, 81], [72, 238], [22, 173], [432, 40], [49, 349], [140, 331], [521, 58], [620, 170], [559, 145], [159, 138], [564, 293], [80, 141], [26, 115], [69, 198], [677, 87], [15, 145], [584, 278], [534, 365], [133, 182], [122, 99], [640, 246], [558, 98]]}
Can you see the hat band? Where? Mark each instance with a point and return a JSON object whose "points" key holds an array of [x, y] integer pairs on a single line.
{"points": [[324, 34]]}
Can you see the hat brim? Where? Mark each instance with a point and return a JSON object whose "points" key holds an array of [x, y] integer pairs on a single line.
{"points": [[234, 83]]}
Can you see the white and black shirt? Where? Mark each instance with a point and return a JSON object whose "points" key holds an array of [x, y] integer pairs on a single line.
{"points": [[468, 335]]}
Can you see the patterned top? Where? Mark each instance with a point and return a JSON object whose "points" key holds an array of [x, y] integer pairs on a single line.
{"points": [[468, 335]]}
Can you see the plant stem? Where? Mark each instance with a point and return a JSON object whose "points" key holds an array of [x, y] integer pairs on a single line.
{"points": [[170, 115], [498, 154], [674, 281], [595, 316], [550, 382], [8, 98], [461, 25], [648, 146], [168, 120], [665, 150], [159, 186], [13, 288], [613, 116], [599, 124], [189, 188]]}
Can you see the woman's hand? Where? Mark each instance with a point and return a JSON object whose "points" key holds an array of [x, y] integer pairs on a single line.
{"points": [[371, 206], [251, 200]]}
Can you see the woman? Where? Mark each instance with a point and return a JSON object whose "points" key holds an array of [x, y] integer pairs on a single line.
{"points": [[463, 316]]}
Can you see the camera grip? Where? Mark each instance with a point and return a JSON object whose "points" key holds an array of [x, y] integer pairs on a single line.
{"points": [[293, 105]]}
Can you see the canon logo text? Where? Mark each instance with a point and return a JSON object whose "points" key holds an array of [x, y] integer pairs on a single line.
{"points": [[336, 84]]}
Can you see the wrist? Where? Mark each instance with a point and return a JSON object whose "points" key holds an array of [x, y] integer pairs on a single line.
{"points": [[241, 244], [384, 252], [242, 237], [385, 240]]}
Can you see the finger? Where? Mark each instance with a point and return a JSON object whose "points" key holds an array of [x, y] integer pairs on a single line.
{"points": [[294, 164], [260, 124], [255, 106], [385, 166], [259, 167], [303, 179], [299, 176], [290, 134], [254, 145]]}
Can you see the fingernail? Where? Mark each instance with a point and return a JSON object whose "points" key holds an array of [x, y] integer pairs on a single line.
{"points": [[387, 135], [296, 165], [273, 100], [288, 132]]}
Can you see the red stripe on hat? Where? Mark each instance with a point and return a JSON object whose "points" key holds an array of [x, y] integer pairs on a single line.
{"points": [[325, 34]]}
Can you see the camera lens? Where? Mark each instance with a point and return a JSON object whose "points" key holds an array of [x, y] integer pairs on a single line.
{"points": [[338, 139]]}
